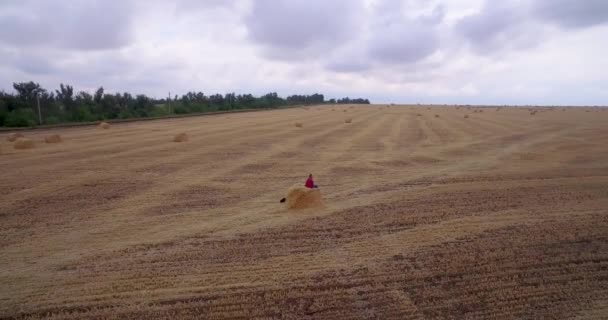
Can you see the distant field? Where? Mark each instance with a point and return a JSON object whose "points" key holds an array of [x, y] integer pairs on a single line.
{"points": [[428, 214]]}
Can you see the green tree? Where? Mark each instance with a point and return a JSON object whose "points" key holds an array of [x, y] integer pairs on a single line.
{"points": [[27, 91]]}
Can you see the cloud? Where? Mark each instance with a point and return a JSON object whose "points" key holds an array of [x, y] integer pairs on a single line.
{"points": [[514, 24], [80, 25], [403, 42], [393, 36], [499, 26], [190, 5], [301, 28], [464, 51], [572, 13]]}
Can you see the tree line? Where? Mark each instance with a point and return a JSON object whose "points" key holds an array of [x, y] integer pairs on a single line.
{"points": [[32, 105]]}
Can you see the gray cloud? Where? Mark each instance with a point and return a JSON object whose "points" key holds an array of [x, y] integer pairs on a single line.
{"points": [[391, 38], [80, 25], [195, 5], [572, 13], [300, 28], [348, 65], [403, 42], [497, 26], [516, 24], [34, 64]]}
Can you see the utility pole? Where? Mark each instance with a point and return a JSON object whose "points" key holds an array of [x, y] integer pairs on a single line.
{"points": [[39, 114], [169, 103]]}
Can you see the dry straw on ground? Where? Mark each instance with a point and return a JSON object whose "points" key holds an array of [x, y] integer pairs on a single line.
{"points": [[398, 194], [348, 120], [299, 124], [23, 143], [54, 138], [14, 136], [104, 125], [182, 137], [300, 197]]}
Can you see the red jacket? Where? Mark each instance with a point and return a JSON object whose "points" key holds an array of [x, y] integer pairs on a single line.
{"points": [[309, 183]]}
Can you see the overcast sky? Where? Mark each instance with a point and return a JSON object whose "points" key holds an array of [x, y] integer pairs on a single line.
{"points": [[451, 51]]}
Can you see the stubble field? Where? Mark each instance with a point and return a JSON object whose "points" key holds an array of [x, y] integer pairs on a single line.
{"points": [[427, 214]]}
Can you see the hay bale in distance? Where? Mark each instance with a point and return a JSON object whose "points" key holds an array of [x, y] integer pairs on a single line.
{"points": [[300, 197], [54, 138], [466, 116], [418, 115], [23, 143], [299, 124], [348, 120], [104, 125], [436, 116], [14, 136], [182, 137]]}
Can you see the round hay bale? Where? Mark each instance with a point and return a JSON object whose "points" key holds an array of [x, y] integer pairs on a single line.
{"points": [[436, 116], [299, 124], [14, 136], [418, 115], [23, 143], [466, 116], [54, 138], [182, 137], [348, 120], [104, 125], [300, 197]]}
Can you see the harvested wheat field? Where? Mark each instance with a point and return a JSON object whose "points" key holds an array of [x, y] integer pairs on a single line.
{"points": [[503, 215]]}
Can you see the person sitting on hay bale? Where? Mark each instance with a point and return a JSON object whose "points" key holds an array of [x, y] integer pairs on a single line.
{"points": [[309, 184]]}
